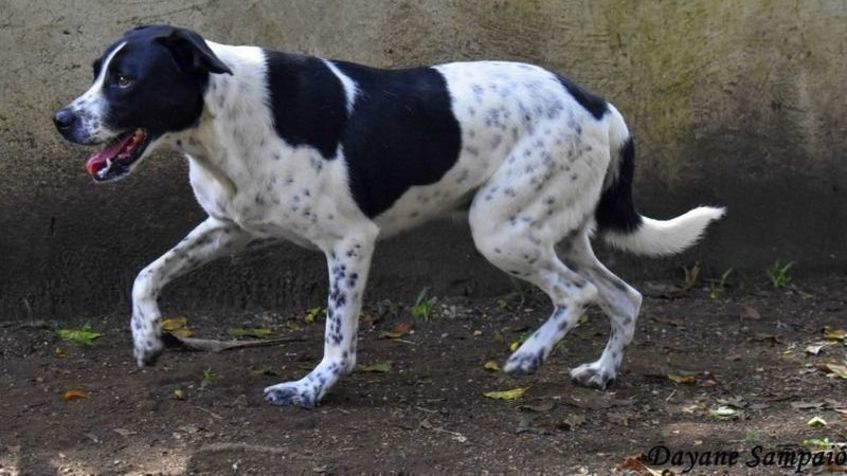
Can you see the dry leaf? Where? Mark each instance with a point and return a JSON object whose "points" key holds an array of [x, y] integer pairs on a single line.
{"points": [[723, 411], [174, 323], [59, 352], [514, 345], [189, 428], [512, 394], [814, 349], [597, 403], [294, 326], [667, 321], [750, 314], [634, 464], [74, 395], [816, 422], [123, 431], [183, 333], [737, 402], [177, 326], [380, 367], [571, 421], [834, 334], [542, 407], [807, 405], [492, 366], [817, 444], [258, 332], [398, 331], [662, 290], [368, 318], [834, 370], [687, 379], [267, 372], [179, 394]]}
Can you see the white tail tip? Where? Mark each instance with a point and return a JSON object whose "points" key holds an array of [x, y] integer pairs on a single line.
{"points": [[666, 237]]}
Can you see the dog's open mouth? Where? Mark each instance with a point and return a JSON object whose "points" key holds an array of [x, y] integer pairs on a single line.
{"points": [[115, 161]]}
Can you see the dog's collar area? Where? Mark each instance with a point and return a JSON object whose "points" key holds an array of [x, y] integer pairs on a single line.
{"points": [[115, 161]]}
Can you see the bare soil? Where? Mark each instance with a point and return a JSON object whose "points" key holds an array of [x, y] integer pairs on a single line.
{"points": [[742, 351]]}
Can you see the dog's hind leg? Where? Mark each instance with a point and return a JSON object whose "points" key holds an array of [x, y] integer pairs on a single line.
{"points": [[544, 192], [211, 239], [570, 294], [525, 250], [348, 260], [617, 299]]}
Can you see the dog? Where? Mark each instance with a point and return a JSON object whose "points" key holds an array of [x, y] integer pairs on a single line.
{"points": [[335, 156]]}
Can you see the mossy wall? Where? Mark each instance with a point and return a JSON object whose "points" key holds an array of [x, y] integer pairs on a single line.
{"points": [[731, 102]]}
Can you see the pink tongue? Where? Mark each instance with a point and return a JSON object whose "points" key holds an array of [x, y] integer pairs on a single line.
{"points": [[98, 161]]}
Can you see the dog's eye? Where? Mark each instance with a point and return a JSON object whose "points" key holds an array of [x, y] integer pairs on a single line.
{"points": [[123, 81]]}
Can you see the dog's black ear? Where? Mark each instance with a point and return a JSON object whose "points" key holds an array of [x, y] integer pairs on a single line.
{"points": [[191, 52]]}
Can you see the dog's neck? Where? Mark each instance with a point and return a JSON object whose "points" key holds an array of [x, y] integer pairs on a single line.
{"points": [[231, 126]]}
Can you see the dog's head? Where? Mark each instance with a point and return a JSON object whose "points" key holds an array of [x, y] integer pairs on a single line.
{"points": [[148, 83]]}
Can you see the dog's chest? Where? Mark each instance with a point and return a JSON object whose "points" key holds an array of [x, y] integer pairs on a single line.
{"points": [[295, 198]]}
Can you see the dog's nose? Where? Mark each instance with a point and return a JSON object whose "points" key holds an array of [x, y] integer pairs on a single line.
{"points": [[64, 119]]}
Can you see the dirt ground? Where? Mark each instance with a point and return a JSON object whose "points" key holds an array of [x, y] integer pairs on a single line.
{"points": [[745, 379]]}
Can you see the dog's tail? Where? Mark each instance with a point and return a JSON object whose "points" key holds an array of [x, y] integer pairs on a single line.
{"points": [[620, 224]]}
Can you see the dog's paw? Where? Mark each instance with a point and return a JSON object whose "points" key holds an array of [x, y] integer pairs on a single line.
{"points": [[593, 375], [301, 393], [147, 349], [524, 363]]}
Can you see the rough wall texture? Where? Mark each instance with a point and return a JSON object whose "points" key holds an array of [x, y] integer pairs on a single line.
{"points": [[740, 103]]}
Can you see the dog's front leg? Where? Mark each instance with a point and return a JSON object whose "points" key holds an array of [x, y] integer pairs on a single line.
{"points": [[211, 239], [348, 260]]}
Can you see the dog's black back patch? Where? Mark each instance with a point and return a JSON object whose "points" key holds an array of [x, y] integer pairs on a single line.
{"points": [[402, 133], [307, 102], [594, 104]]}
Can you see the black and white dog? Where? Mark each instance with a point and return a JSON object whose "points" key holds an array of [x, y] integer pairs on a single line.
{"points": [[335, 156]]}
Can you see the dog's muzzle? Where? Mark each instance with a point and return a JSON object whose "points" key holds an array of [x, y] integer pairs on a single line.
{"points": [[66, 122]]}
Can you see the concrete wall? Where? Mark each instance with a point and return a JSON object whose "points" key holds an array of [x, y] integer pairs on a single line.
{"points": [[733, 102]]}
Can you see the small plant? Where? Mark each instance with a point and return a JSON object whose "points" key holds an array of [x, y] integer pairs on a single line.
{"points": [[519, 290], [692, 274], [724, 278], [209, 378], [422, 309], [519, 341], [717, 286], [752, 437], [778, 274], [560, 346]]}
